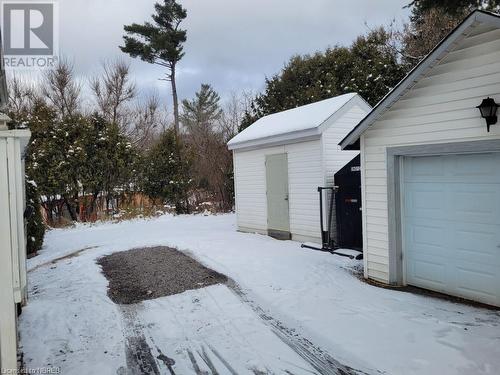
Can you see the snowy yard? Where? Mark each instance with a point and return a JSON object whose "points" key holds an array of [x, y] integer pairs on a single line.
{"points": [[288, 311]]}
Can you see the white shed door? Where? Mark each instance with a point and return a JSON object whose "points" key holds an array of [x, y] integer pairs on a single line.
{"points": [[451, 224], [278, 220]]}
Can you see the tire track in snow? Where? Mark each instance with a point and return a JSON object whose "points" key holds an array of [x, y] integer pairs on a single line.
{"points": [[321, 361], [140, 359], [70, 255]]}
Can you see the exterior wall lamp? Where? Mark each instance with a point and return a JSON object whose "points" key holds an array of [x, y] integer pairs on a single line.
{"points": [[488, 109]]}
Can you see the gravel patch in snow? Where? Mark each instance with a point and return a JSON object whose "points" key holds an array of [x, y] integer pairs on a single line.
{"points": [[149, 273]]}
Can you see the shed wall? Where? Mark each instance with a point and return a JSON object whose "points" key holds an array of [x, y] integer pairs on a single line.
{"points": [[334, 158], [305, 174]]}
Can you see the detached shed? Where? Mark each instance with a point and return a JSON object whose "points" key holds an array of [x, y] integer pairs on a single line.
{"points": [[431, 170], [281, 160]]}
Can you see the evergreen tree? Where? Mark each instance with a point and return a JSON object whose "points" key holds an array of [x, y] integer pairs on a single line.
{"points": [[212, 166], [369, 67], [165, 172], [76, 156], [160, 43], [107, 168], [53, 157], [35, 227], [201, 114]]}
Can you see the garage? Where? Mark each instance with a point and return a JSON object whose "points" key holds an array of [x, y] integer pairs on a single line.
{"points": [[430, 175], [452, 224]]}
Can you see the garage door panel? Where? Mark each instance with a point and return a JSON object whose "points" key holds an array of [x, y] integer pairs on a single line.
{"points": [[451, 224], [477, 243], [453, 168], [427, 236], [427, 166], [476, 283], [473, 165], [475, 203], [428, 274], [423, 201]]}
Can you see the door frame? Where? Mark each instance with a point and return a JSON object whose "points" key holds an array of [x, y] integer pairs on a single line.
{"points": [[395, 193]]}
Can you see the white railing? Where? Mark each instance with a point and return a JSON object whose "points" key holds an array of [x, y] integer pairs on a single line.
{"points": [[13, 280]]}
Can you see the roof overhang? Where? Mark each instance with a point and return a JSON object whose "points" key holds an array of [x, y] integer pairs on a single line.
{"points": [[351, 141], [278, 140]]}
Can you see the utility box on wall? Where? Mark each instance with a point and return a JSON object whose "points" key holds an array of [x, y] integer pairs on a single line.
{"points": [[13, 280]]}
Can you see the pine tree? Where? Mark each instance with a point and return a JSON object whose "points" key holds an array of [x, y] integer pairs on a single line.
{"points": [[52, 161], [201, 114], [369, 67], [212, 166], [107, 167], [160, 43], [35, 227]]}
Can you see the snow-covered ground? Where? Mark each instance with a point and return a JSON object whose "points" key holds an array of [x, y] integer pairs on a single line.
{"points": [[71, 323]]}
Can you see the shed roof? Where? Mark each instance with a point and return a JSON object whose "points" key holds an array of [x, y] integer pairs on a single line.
{"points": [[351, 141], [294, 124]]}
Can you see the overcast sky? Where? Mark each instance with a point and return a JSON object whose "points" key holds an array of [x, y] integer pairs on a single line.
{"points": [[231, 44]]}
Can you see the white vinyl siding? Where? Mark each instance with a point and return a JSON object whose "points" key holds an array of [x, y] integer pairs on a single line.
{"points": [[250, 188], [8, 334], [439, 108], [304, 176], [334, 158], [13, 286]]}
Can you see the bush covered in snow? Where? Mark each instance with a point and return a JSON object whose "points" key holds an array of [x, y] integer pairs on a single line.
{"points": [[35, 224]]}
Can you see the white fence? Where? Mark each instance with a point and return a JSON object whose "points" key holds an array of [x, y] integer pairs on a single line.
{"points": [[13, 281]]}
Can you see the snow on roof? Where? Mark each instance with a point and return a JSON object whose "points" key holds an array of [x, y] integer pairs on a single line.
{"points": [[307, 117]]}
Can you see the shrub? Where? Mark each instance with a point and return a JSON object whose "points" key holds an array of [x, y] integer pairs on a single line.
{"points": [[35, 228]]}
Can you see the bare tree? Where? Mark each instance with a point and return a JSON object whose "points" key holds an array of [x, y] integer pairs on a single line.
{"points": [[209, 124], [61, 89], [22, 95], [147, 120], [419, 38], [112, 90], [414, 40], [232, 113]]}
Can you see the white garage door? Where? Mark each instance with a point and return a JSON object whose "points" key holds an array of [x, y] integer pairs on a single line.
{"points": [[451, 224]]}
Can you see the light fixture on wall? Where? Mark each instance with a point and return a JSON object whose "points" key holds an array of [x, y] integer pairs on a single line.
{"points": [[488, 109]]}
